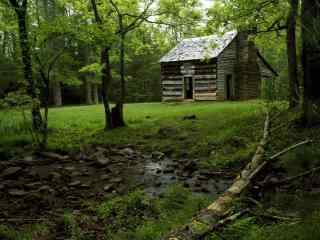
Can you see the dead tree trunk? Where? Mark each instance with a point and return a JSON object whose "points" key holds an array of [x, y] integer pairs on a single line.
{"points": [[292, 55], [311, 60], [218, 210]]}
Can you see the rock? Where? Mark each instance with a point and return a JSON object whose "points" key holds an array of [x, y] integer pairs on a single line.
{"points": [[127, 151], [108, 188], [158, 184], [46, 188], [1, 187], [17, 192], [55, 176], [74, 183], [104, 176], [190, 166], [85, 185], [11, 172], [190, 117], [157, 155], [70, 168], [76, 174], [103, 161], [33, 185], [54, 155], [168, 170], [158, 170], [116, 180]]}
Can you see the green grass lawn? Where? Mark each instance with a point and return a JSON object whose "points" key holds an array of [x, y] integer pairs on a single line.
{"points": [[152, 127]]}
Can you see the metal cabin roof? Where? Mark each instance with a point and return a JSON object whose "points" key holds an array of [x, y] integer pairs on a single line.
{"points": [[199, 48]]}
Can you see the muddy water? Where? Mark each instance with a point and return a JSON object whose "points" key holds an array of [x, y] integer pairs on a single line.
{"points": [[159, 175]]}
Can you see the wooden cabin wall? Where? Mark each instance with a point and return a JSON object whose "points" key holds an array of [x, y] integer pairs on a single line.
{"points": [[172, 81], [226, 66], [205, 80]]}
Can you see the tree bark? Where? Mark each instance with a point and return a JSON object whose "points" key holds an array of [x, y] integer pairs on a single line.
{"points": [[21, 11], [292, 55], [106, 72], [117, 111], [95, 92], [105, 78], [311, 60], [57, 93], [88, 89]]}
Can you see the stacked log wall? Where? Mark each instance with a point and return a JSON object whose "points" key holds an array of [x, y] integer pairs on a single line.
{"points": [[172, 81], [226, 66]]}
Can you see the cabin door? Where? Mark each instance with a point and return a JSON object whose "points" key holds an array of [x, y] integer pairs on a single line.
{"points": [[188, 88], [229, 87]]}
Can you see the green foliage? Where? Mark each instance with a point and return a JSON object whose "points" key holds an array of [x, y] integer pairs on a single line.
{"points": [[36, 231], [138, 217]]}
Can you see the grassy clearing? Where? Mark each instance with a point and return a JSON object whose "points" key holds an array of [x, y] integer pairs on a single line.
{"points": [[154, 127]]}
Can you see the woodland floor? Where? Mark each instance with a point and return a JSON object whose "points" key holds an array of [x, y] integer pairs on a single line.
{"points": [[140, 181]]}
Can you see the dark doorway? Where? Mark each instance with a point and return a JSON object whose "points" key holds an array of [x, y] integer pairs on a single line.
{"points": [[188, 87], [229, 87]]}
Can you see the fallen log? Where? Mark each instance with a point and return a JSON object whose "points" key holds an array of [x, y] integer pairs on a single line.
{"points": [[205, 221]]}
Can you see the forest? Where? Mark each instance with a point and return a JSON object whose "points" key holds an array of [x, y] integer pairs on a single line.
{"points": [[159, 119]]}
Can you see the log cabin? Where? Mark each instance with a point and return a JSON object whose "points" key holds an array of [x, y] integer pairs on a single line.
{"points": [[217, 67]]}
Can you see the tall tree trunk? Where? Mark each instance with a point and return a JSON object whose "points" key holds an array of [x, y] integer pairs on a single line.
{"points": [[106, 77], [106, 72], [292, 54], [57, 93], [27, 63], [88, 89], [311, 60], [117, 111], [95, 92]]}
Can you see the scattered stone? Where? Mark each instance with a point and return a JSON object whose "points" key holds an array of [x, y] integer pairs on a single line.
{"points": [[190, 117], [33, 185], [103, 161], [46, 188], [168, 170], [54, 155], [74, 183], [85, 185], [158, 171], [116, 180], [127, 151], [157, 155], [104, 176], [55, 176], [11, 172], [17, 192], [70, 168], [108, 188], [158, 184], [190, 166], [1, 187], [76, 174]]}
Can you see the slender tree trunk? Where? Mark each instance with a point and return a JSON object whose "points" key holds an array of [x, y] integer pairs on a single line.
{"points": [[88, 89], [117, 111], [57, 93], [27, 68], [311, 60], [95, 92], [106, 77], [292, 55]]}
